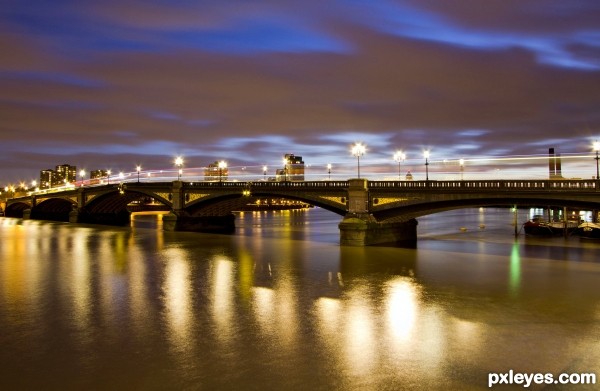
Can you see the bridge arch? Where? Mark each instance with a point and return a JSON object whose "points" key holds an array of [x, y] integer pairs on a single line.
{"points": [[404, 212], [16, 209], [55, 209], [225, 203], [110, 207]]}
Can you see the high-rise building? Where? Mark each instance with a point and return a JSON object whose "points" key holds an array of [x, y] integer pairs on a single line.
{"points": [[64, 174], [46, 178], [213, 173], [98, 174], [293, 168]]}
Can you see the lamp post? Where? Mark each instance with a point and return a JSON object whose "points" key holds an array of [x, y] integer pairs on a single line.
{"points": [[179, 164], [597, 158], [222, 166], [82, 175], [265, 173], [462, 168], [399, 156], [138, 168], [358, 150], [108, 177], [329, 170], [426, 155]]}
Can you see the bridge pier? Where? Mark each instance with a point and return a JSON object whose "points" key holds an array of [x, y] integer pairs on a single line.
{"points": [[364, 230], [360, 228]]}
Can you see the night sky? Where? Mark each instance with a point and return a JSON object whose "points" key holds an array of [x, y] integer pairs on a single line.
{"points": [[116, 83]]}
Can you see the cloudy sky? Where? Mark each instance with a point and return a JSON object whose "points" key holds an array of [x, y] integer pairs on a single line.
{"points": [[115, 83]]}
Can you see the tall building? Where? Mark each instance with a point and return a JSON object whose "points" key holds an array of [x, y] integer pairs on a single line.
{"points": [[63, 174], [213, 173], [293, 168], [98, 174], [46, 177]]}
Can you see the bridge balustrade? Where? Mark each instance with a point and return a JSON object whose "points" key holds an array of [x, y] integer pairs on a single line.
{"points": [[490, 185]]}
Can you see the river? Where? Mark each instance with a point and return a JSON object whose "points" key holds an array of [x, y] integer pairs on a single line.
{"points": [[279, 305]]}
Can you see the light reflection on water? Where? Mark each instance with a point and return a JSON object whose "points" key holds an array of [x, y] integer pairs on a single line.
{"points": [[90, 307]]}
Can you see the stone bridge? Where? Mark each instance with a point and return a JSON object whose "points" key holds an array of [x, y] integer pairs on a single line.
{"points": [[372, 211]]}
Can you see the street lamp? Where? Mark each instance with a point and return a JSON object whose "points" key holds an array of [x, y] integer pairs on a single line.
{"points": [[596, 146], [462, 168], [82, 175], [138, 168], [179, 164], [426, 155], [358, 150], [222, 166], [399, 156], [108, 177], [329, 170], [265, 172]]}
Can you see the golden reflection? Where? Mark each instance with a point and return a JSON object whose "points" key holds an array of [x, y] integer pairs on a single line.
{"points": [[222, 287], [402, 302], [275, 311], [138, 288], [80, 279], [328, 317], [264, 308], [359, 334], [177, 300], [246, 273]]}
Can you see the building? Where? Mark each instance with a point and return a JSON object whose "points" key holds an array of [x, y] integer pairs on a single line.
{"points": [[293, 168], [46, 178], [63, 174], [215, 173], [98, 174]]}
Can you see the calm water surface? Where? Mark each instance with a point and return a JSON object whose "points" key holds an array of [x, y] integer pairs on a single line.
{"points": [[280, 305]]}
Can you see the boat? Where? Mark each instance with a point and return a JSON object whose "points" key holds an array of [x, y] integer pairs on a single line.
{"points": [[589, 230], [539, 227]]}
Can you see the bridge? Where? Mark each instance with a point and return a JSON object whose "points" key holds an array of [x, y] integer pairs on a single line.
{"points": [[372, 211]]}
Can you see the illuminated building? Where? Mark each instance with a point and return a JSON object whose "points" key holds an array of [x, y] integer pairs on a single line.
{"points": [[63, 174], [293, 169], [46, 177], [98, 174], [213, 172]]}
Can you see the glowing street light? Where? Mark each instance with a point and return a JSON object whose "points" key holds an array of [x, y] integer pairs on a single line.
{"points": [[179, 164], [108, 177], [138, 168], [399, 156], [596, 146], [265, 172], [82, 175], [426, 155], [358, 150], [329, 170], [222, 165], [462, 168]]}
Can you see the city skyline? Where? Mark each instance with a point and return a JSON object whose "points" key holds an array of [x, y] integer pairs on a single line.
{"points": [[122, 84]]}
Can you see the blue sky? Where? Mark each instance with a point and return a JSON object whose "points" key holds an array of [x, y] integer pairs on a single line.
{"points": [[120, 83]]}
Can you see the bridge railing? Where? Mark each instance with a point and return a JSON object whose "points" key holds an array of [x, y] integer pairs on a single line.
{"points": [[269, 184], [533, 185]]}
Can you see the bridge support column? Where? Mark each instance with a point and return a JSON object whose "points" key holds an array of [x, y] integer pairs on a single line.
{"points": [[360, 228], [26, 214], [357, 230]]}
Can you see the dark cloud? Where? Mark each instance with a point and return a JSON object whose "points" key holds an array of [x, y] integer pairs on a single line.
{"points": [[125, 82]]}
